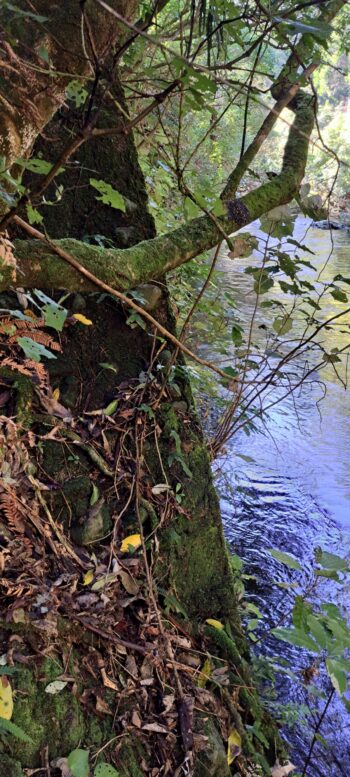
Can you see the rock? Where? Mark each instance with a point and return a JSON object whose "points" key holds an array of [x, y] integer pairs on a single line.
{"points": [[95, 526], [78, 304], [151, 295], [165, 357], [126, 236], [329, 225]]}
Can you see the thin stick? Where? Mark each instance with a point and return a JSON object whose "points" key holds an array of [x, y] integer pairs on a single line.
{"points": [[318, 726]]}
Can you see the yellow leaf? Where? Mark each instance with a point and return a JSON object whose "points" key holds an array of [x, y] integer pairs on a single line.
{"points": [[205, 673], [234, 748], [215, 624], [6, 701], [133, 541], [82, 319], [88, 577], [56, 393]]}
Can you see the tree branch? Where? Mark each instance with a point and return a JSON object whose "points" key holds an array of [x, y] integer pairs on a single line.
{"points": [[151, 259]]}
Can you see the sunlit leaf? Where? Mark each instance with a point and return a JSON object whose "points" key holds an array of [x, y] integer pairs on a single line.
{"points": [[82, 319], [6, 700], [205, 673], [88, 577], [109, 196], [215, 624], [130, 543], [234, 746], [337, 676]]}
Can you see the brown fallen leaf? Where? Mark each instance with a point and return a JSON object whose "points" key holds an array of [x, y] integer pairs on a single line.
{"points": [[136, 720], [53, 407], [156, 728], [129, 583], [282, 771]]}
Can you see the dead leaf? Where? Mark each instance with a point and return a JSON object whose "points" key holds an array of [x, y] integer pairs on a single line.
{"points": [[136, 720], [282, 771], [156, 728], [55, 687], [53, 407], [129, 583]]}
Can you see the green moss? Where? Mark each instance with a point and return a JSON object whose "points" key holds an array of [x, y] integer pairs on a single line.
{"points": [[212, 760], [9, 767], [130, 757], [52, 720]]}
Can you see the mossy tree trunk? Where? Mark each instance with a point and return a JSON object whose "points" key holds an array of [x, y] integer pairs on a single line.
{"points": [[192, 567]]}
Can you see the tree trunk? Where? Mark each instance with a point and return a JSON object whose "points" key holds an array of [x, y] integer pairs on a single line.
{"points": [[191, 574]]}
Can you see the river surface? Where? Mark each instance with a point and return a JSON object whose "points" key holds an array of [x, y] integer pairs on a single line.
{"points": [[294, 493]]}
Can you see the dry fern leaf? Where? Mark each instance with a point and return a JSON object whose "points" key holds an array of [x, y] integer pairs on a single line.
{"points": [[12, 510]]}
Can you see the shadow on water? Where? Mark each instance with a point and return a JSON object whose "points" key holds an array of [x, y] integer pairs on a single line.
{"points": [[294, 495]]}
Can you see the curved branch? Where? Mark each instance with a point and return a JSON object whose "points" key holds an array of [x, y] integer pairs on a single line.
{"points": [[37, 263]]}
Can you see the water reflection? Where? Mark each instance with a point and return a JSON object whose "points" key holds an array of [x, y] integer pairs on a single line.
{"points": [[295, 494]]}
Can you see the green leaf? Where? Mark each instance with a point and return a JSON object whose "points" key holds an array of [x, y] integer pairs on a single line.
{"points": [[286, 264], [236, 562], [296, 637], [37, 165], [339, 295], [33, 215], [54, 316], [318, 631], [34, 350], [230, 372], [53, 313], [332, 561], [191, 209], [95, 495], [76, 93], [330, 574], [284, 558], [111, 408], [109, 196], [314, 27], [282, 324], [301, 610], [105, 770], [263, 284], [16, 731], [237, 334], [78, 762], [337, 676]]}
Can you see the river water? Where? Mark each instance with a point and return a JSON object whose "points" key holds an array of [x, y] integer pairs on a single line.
{"points": [[294, 494]]}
